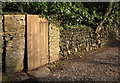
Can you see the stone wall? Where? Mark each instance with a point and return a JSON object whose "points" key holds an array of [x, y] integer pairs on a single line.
{"points": [[62, 42], [1, 42], [14, 26], [83, 39], [53, 43]]}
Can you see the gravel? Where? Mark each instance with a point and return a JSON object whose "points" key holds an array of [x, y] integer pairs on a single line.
{"points": [[99, 65]]}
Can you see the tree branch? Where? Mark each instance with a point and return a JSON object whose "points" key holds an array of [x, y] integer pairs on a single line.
{"points": [[99, 27]]}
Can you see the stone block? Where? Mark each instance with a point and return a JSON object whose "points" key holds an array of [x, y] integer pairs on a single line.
{"points": [[54, 46], [15, 40]]}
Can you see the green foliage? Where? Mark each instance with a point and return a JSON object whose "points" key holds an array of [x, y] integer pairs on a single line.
{"points": [[70, 13], [114, 16]]}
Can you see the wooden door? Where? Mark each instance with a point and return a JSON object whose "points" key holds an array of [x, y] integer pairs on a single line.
{"points": [[37, 41]]}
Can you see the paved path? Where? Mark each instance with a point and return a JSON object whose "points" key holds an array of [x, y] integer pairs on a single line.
{"points": [[100, 65]]}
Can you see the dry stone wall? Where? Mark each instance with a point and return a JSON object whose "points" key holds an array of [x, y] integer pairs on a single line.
{"points": [[14, 26], [74, 40], [53, 43]]}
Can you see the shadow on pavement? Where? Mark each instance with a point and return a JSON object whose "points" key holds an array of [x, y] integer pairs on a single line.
{"points": [[30, 80]]}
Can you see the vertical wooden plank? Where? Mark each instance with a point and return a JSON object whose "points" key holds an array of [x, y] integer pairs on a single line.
{"points": [[37, 43], [40, 27], [34, 54], [33, 42], [29, 37], [42, 42], [43, 57], [37, 40], [46, 39]]}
